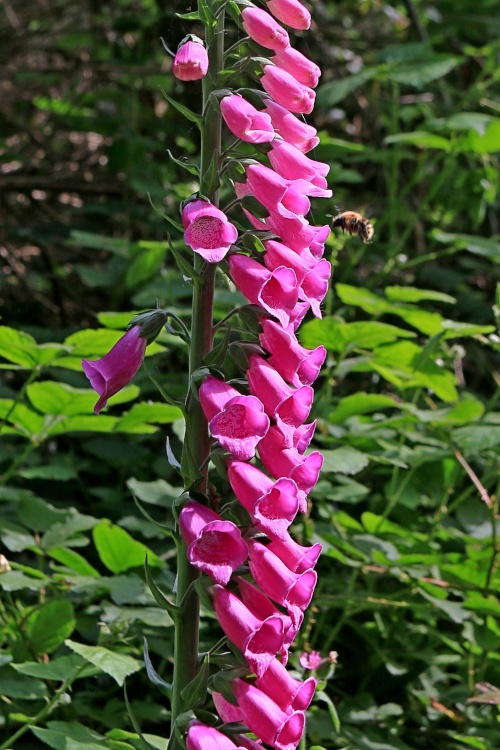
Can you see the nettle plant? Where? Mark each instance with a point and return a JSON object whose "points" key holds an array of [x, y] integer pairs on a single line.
{"points": [[238, 556]]}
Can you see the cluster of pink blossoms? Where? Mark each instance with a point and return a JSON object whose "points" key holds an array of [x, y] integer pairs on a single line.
{"points": [[262, 617]]}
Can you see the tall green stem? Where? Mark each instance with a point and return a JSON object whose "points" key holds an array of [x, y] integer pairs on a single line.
{"points": [[197, 446]]}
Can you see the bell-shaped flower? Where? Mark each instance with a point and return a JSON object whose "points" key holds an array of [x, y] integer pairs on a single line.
{"points": [[298, 65], [245, 121], [276, 291], [202, 737], [263, 29], [279, 729], [292, 164], [259, 639], [290, 12], [229, 713], [290, 128], [285, 690], [289, 406], [291, 590], [215, 546], [298, 234], [191, 60], [296, 556], [296, 364], [237, 422], [313, 275], [287, 91], [272, 505], [287, 197], [116, 369], [282, 461], [208, 230]]}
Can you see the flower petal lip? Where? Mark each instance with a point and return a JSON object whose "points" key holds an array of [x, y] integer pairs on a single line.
{"points": [[240, 426], [116, 369], [208, 231]]}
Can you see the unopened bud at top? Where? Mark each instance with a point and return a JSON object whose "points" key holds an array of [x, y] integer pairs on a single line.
{"points": [[191, 60]]}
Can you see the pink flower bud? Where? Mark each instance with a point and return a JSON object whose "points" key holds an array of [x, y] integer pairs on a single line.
{"points": [[276, 291], [191, 61], [237, 422], [289, 406], [296, 364], [263, 29], [291, 590], [208, 231], [258, 639], [285, 690], [287, 91], [298, 65], [290, 128], [291, 12], [277, 728], [282, 461], [116, 369], [215, 546], [202, 737], [295, 556], [246, 122], [292, 164], [273, 505]]}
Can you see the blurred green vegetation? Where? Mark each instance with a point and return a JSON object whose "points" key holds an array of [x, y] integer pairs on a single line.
{"points": [[407, 406]]}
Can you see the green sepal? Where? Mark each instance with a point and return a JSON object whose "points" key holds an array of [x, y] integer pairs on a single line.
{"points": [[211, 181], [171, 221], [239, 352], [164, 394], [201, 585], [216, 357], [221, 682], [191, 168], [167, 528], [195, 693], [254, 96], [193, 16], [158, 595], [235, 170], [199, 376], [255, 207], [253, 240], [184, 265], [154, 677], [251, 316], [188, 114], [219, 457]]}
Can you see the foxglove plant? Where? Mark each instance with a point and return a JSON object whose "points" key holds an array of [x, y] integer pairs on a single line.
{"points": [[242, 553]]}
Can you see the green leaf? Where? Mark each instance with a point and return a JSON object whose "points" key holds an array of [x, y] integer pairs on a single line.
{"points": [[339, 336], [361, 403], [483, 246], [116, 245], [332, 93], [73, 561], [185, 164], [418, 74], [185, 111], [59, 398], [158, 492], [49, 626], [69, 735], [145, 413], [147, 261], [422, 139], [60, 669], [344, 460], [412, 294], [21, 349], [118, 551], [116, 665], [195, 693], [477, 438], [15, 685]]}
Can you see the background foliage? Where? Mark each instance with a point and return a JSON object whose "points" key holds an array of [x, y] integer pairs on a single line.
{"points": [[408, 404]]}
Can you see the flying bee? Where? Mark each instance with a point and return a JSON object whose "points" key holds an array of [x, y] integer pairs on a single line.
{"points": [[354, 223]]}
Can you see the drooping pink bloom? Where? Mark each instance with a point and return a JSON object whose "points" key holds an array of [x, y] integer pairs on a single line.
{"points": [[191, 61], [296, 556], [298, 65], [289, 406], [208, 231], [263, 29], [285, 690], [273, 505], [245, 121], [296, 364], [276, 291], [291, 590], [275, 727], [257, 638], [227, 711], [282, 461], [287, 91], [202, 737], [298, 234], [116, 369], [291, 12], [287, 197], [292, 164], [313, 275], [290, 128], [215, 546], [237, 422]]}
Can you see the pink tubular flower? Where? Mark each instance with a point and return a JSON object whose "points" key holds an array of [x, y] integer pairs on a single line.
{"points": [[298, 65], [289, 406], [263, 29], [246, 122], [276, 291], [292, 164], [295, 556], [191, 61], [202, 737], [208, 231], [116, 369], [227, 711], [298, 234], [290, 128], [237, 422], [285, 690], [259, 639], [273, 505], [296, 364], [291, 12], [215, 546], [281, 461], [292, 590], [287, 197], [287, 91], [275, 727]]}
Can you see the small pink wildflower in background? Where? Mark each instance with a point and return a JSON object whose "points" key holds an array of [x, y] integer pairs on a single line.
{"points": [[310, 661], [208, 230], [191, 60]]}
